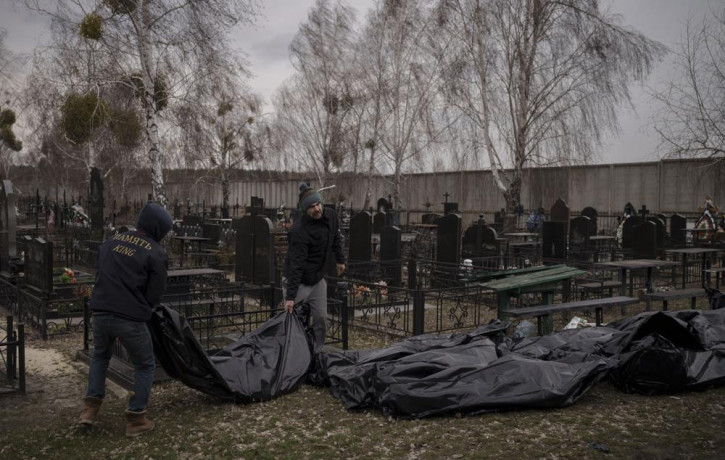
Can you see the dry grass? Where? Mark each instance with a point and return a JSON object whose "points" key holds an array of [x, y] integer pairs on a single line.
{"points": [[310, 423]]}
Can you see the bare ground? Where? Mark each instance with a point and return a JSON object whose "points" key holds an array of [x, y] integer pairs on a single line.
{"points": [[310, 423]]}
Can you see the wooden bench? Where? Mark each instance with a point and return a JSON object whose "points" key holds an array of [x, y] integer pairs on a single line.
{"points": [[717, 271], [543, 311], [665, 296], [599, 286]]}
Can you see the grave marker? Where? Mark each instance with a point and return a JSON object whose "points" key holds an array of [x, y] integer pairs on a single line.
{"points": [[678, 224], [263, 251], [449, 239], [39, 264], [560, 211], [360, 237], [554, 240], [644, 239], [592, 214], [8, 225], [390, 254], [96, 204]]}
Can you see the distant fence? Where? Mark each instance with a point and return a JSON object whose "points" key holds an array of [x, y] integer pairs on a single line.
{"points": [[666, 187]]}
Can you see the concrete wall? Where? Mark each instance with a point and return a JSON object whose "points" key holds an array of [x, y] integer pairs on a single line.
{"points": [[666, 186]]}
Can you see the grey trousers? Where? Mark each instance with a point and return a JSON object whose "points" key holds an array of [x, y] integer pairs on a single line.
{"points": [[316, 297]]}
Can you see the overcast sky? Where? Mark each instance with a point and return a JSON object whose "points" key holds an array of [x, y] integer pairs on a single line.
{"points": [[266, 47]]}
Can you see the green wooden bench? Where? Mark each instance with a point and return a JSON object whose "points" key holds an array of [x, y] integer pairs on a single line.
{"points": [[478, 277], [543, 281], [541, 312], [589, 286], [665, 296]]}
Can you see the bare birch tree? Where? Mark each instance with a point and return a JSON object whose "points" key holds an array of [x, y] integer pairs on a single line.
{"points": [[9, 143], [541, 79], [313, 105], [160, 48], [222, 130], [692, 121], [402, 85]]}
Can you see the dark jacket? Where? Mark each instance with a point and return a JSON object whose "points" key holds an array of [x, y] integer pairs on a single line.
{"points": [[310, 243], [131, 269]]}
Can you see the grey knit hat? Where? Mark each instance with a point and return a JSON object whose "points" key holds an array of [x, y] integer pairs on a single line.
{"points": [[308, 196]]}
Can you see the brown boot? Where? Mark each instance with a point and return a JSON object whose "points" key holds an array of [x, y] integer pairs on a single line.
{"points": [[91, 406], [138, 423]]}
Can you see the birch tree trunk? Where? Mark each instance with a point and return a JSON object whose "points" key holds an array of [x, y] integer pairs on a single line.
{"points": [[145, 50]]}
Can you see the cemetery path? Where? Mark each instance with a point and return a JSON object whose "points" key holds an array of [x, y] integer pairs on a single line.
{"points": [[55, 381]]}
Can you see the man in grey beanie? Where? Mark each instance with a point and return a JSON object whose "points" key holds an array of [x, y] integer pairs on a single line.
{"points": [[311, 240]]}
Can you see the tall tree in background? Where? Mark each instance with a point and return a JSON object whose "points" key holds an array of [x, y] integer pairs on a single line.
{"points": [[160, 48], [692, 120], [402, 84], [314, 104], [221, 131], [541, 79], [9, 143]]}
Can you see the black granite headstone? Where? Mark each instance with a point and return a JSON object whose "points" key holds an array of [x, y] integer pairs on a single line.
{"points": [[257, 206], [473, 241], [678, 224], [177, 210], [263, 251], [383, 205], [390, 255], [380, 220], [489, 239], [244, 257], [592, 214], [450, 207], [645, 239], [554, 240], [628, 231], [8, 224], [39, 264], [360, 237], [661, 232], [213, 232], [449, 239], [560, 211], [580, 229]]}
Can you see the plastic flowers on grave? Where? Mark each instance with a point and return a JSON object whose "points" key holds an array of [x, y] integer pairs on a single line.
{"points": [[360, 290], [383, 287], [68, 276]]}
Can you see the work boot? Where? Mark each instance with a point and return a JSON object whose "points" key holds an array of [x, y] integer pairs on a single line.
{"points": [[138, 423], [91, 406]]}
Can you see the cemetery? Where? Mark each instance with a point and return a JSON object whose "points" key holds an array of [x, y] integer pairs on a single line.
{"points": [[404, 279]]}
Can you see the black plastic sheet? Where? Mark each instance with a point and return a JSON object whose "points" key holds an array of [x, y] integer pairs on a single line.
{"points": [[476, 372], [485, 371], [266, 363]]}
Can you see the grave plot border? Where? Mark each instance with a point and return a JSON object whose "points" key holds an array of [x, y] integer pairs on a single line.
{"points": [[12, 358], [49, 317]]}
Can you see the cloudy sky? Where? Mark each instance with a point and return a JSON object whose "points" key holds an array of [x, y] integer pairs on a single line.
{"points": [[266, 47]]}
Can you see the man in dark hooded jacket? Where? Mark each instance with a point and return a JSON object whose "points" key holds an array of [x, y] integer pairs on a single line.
{"points": [[130, 280]]}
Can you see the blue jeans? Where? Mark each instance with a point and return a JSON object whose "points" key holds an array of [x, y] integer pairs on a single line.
{"points": [[136, 339]]}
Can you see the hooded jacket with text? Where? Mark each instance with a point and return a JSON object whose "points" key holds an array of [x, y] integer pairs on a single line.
{"points": [[131, 273]]}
